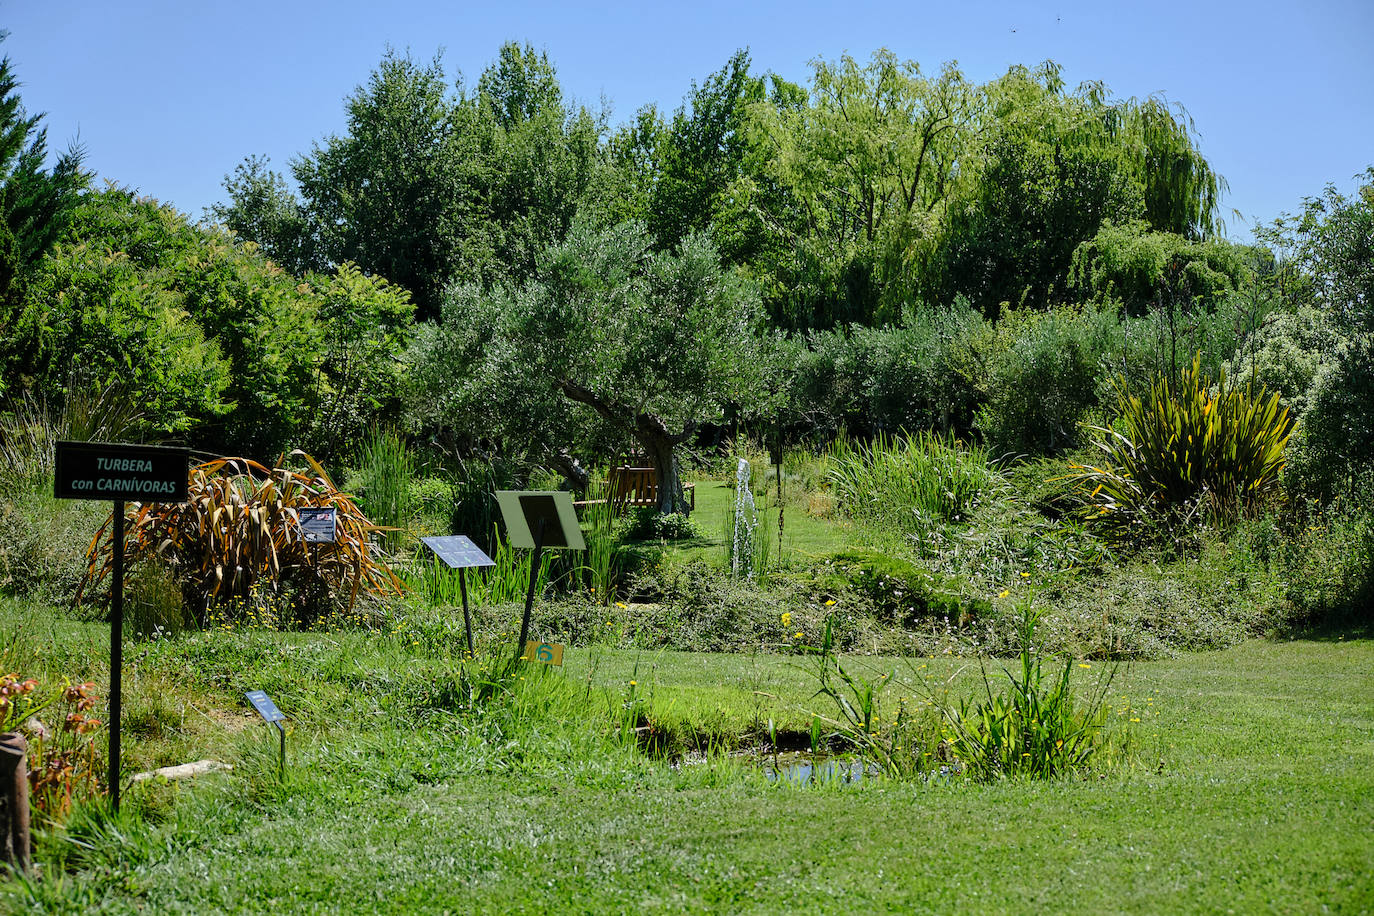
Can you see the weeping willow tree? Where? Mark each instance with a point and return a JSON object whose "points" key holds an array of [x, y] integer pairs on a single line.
{"points": [[1052, 168], [848, 176], [1182, 192], [883, 184]]}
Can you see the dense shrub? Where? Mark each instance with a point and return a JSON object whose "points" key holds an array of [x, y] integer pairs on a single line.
{"points": [[1042, 376], [1138, 266], [701, 609], [1335, 444], [1323, 563], [43, 543], [366, 323], [919, 374], [651, 525], [1285, 355], [43, 540], [904, 594]]}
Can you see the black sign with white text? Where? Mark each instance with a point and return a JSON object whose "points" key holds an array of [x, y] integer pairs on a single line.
{"points": [[106, 470]]}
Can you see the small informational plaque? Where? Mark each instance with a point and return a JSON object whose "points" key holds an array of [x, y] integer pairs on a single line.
{"points": [[544, 653], [265, 707], [458, 551], [525, 511], [115, 471], [318, 524]]}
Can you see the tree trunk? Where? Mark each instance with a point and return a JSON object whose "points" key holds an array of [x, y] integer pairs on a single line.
{"points": [[14, 801], [572, 470], [652, 433], [660, 446]]}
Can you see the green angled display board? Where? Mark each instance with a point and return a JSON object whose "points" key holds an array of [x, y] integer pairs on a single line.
{"points": [[523, 510]]}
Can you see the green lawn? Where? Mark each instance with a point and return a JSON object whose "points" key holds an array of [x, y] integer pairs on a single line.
{"points": [[804, 534], [1252, 790]]}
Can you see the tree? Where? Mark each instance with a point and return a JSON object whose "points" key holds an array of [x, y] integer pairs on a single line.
{"points": [[1050, 170], [217, 344], [651, 343], [398, 191], [262, 209], [1139, 266], [366, 324], [1012, 239], [106, 308], [36, 204], [1328, 262], [542, 159], [853, 179], [1327, 254], [701, 152], [431, 184]]}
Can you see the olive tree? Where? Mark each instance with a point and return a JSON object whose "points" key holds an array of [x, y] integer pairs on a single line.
{"points": [[608, 332]]}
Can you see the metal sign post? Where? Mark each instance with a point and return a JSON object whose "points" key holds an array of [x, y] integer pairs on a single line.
{"points": [[539, 528], [270, 713], [537, 519], [459, 553], [119, 472], [116, 651]]}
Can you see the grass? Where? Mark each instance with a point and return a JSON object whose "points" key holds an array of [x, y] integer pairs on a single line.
{"points": [[1251, 789], [805, 535]]}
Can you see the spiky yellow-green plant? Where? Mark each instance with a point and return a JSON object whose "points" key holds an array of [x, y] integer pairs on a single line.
{"points": [[1183, 448]]}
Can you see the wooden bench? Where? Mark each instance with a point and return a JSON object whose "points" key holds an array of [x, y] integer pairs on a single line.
{"points": [[634, 488]]}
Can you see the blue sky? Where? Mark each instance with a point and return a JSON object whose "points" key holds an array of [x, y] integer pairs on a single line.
{"points": [[168, 97]]}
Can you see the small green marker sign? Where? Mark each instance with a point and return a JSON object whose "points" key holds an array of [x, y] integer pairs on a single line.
{"points": [[545, 653]]}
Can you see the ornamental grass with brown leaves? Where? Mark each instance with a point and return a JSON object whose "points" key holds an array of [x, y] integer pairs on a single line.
{"points": [[240, 527]]}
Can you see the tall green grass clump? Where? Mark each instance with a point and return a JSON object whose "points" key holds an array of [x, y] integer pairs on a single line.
{"points": [[910, 482], [1034, 725], [604, 563], [901, 742], [386, 471], [1185, 450], [503, 583]]}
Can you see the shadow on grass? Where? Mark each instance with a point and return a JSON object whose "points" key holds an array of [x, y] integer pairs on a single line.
{"points": [[1351, 621]]}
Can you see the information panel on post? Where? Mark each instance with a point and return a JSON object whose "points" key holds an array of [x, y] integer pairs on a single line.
{"points": [[458, 551], [523, 510], [318, 524], [265, 707]]}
